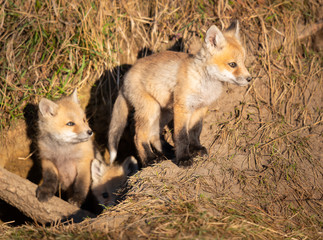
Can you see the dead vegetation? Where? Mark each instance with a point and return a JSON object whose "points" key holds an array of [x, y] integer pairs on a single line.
{"points": [[263, 179]]}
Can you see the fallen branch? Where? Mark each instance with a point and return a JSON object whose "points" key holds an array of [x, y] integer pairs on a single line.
{"points": [[20, 193]]}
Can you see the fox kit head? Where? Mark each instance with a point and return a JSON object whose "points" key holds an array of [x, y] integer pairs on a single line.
{"points": [[64, 120], [108, 179], [225, 55]]}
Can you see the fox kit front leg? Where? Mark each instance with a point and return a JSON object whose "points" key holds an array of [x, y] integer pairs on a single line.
{"points": [[81, 184], [181, 124], [195, 129], [187, 130], [50, 181]]}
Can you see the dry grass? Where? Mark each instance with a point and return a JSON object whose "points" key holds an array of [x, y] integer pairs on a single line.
{"points": [[48, 47], [264, 177]]}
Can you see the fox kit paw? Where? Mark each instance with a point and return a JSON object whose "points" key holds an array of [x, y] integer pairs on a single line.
{"points": [[198, 151], [158, 159], [77, 198], [75, 201], [43, 194], [185, 162]]}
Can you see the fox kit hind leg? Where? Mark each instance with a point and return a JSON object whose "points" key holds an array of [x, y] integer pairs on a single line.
{"points": [[147, 121]]}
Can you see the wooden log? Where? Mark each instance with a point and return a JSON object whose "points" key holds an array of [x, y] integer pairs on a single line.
{"points": [[21, 193]]}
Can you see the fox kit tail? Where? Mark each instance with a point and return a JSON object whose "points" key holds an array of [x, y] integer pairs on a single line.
{"points": [[117, 125]]}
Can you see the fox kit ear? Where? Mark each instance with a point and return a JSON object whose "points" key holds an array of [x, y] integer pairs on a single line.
{"points": [[130, 166], [234, 29], [98, 168], [74, 96], [214, 38], [47, 107]]}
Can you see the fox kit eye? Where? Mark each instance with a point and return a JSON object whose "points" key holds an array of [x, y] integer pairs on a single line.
{"points": [[105, 195], [70, 124], [232, 64]]}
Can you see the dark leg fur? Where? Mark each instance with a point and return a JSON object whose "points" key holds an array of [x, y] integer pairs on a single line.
{"points": [[199, 151], [80, 189], [182, 149], [150, 155], [195, 148], [49, 186], [168, 150], [78, 194]]}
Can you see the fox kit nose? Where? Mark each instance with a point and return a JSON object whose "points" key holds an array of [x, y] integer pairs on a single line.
{"points": [[249, 79], [90, 132]]}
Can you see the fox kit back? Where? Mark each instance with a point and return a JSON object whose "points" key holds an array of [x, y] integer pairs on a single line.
{"points": [[65, 148], [178, 86]]}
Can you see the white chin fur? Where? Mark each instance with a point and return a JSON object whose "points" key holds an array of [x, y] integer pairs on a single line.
{"points": [[226, 76], [223, 76], [71, 137], [241, 82]]}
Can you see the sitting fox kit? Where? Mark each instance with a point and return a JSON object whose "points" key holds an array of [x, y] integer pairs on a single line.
{"points": [[65, 148], [174, 85]]}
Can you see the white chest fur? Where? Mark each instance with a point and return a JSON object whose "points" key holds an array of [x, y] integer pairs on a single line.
{"points": [[206, 91]]}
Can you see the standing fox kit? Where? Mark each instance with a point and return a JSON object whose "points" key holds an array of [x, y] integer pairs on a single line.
{"points": [[174, 85], [65, 148]]}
